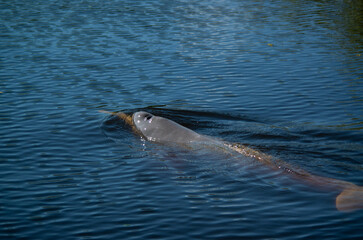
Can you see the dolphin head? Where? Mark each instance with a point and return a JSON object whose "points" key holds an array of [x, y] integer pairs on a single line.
{"points": [[159, 129], [143, 121]]}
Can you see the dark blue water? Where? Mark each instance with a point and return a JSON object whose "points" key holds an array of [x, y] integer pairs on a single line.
{"points": [[283, 77]]}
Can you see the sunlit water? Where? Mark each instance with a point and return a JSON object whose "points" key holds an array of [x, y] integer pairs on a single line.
{"points": [[283, 77]]}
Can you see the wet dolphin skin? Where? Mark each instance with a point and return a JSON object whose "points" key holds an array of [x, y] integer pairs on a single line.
{"points": [[162, 130]]}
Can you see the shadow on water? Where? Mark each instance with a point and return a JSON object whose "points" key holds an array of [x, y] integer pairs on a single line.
{"points": [[343, 16]]}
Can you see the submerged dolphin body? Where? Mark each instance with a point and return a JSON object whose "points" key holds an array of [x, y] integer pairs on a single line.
{"points": [[162, 130]]}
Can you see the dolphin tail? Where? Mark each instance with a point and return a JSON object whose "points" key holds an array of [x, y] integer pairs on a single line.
{"points": [[350, 199]]}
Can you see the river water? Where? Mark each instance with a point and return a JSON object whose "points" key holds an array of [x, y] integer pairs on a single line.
{"points": [[283, 77]]}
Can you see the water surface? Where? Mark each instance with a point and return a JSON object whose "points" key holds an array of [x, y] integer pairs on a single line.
{"points": [[284, 77]]}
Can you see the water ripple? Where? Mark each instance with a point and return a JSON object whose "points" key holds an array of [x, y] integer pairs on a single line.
{"points": [[283, 77]]}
